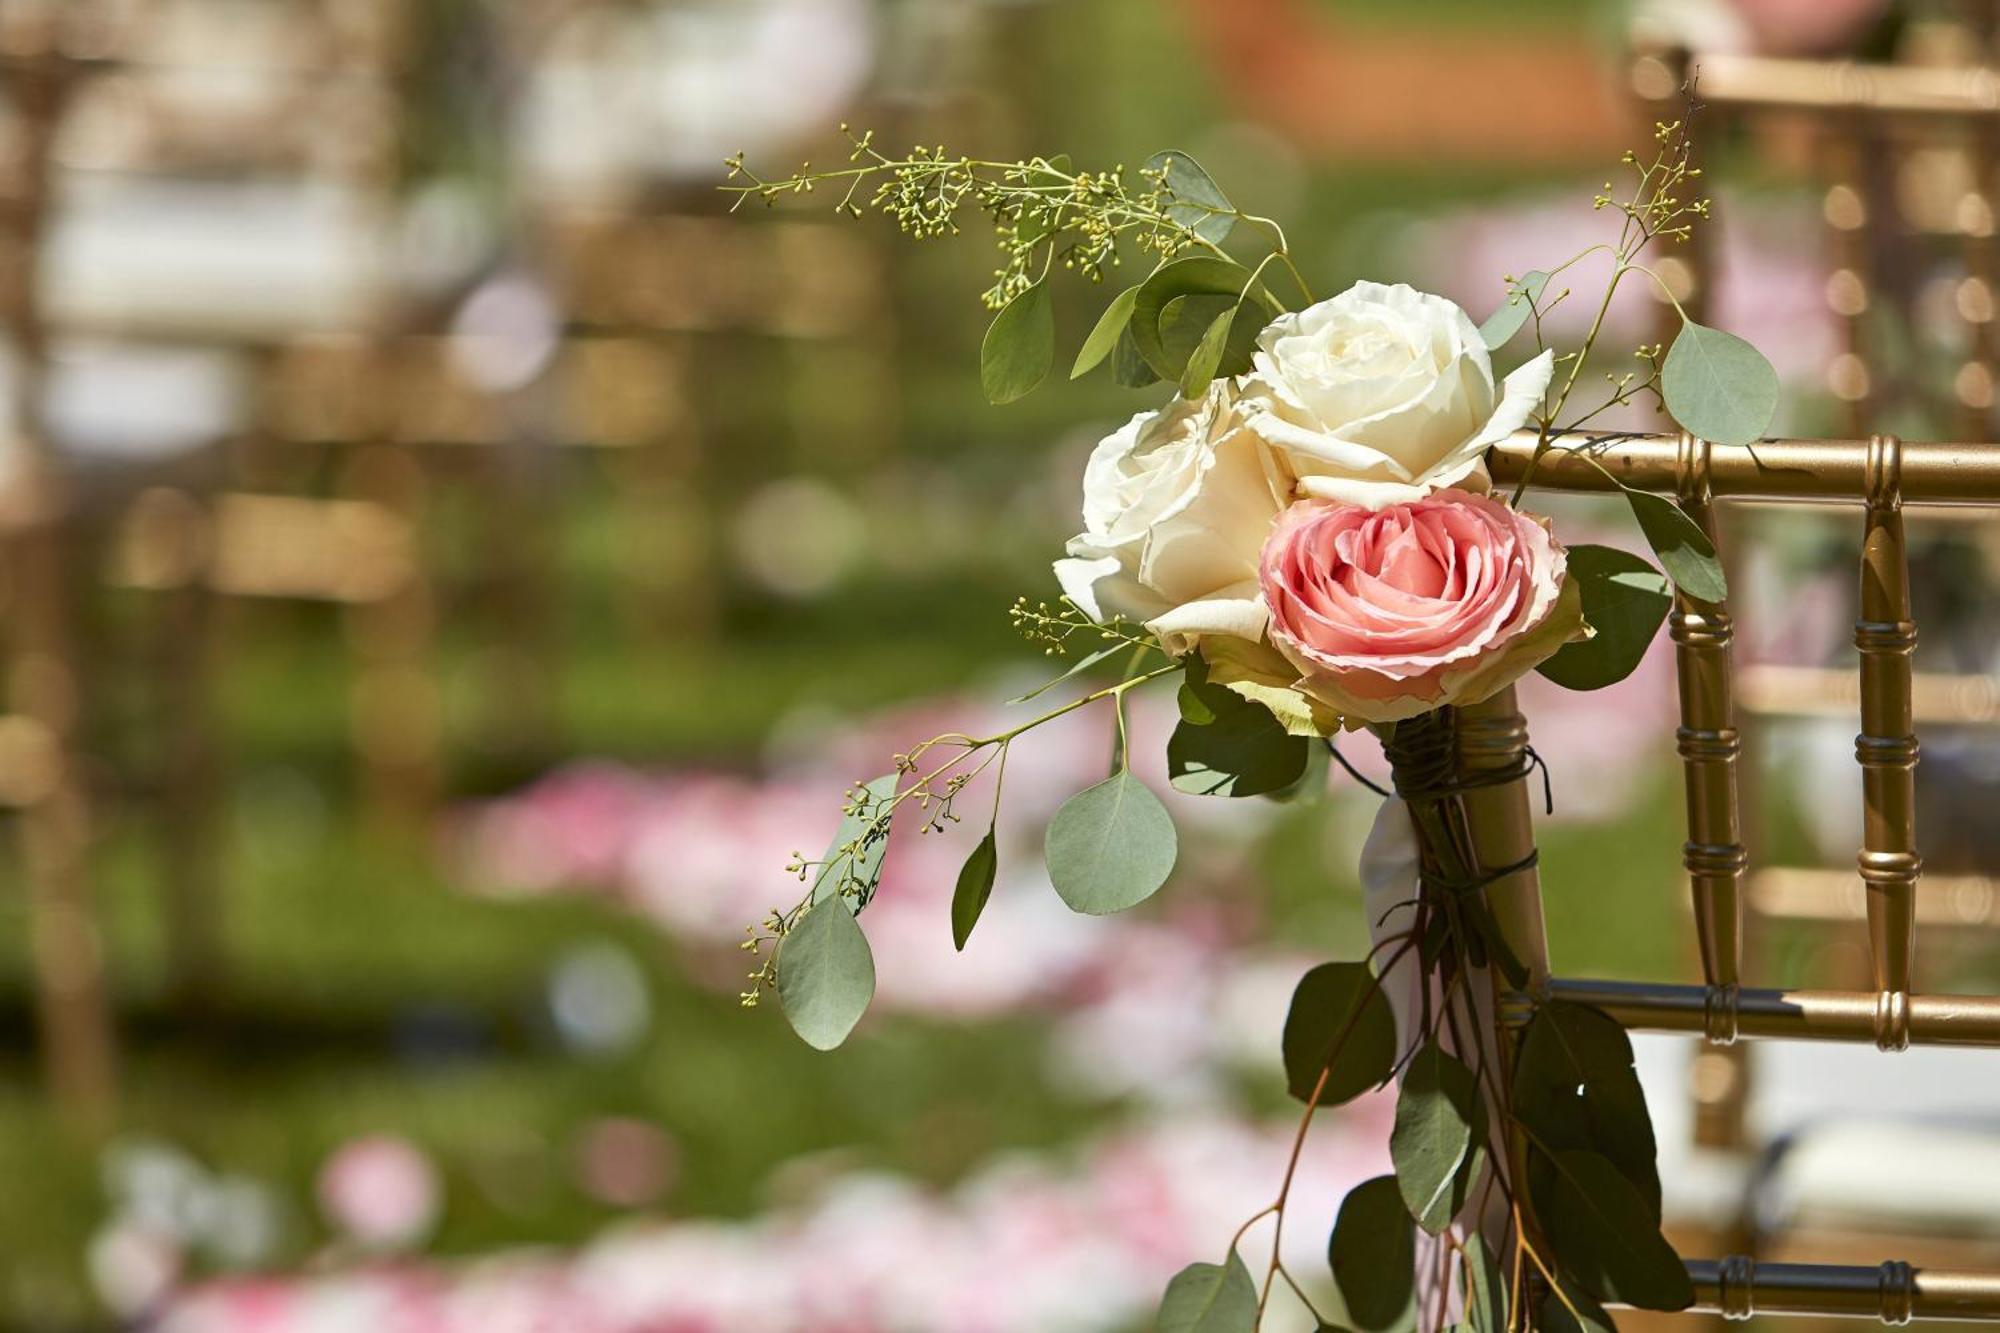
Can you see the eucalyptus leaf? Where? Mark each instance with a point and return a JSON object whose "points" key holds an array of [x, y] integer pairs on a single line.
{"points": [[1339, 1024], [1019, 347], [1557, 1316], [826, 975], [1373, 1254], [975, 886], [1105, 333], [1210, 1298], [1198, 202], [1501, 326], [1624, 601], [1683, 548], [1239, 750], [1110, 846], [861, 869], [1605, 1235], [1207, 356], [1191, 276], [1717, 386], [1196, 704], [1437, 1113], [1486, 1291], [1575, 1087], [1129, 369], [1076, 668]]}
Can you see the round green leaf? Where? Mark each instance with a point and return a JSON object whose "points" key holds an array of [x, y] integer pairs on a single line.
{"points": [[1683, 548], [826, 974], [1373, 1253], [1624, 601], [1504, 323], [1198, 202], [1558, 1317], [1210, 1298], [1019, 347], [1239, 750], [1129, 369], [1192, 276], [1575, 1087], [975, 886], [1717, 386], [1437, 1114], [1339, 1018], [1110, 846], [1606, 1237]]}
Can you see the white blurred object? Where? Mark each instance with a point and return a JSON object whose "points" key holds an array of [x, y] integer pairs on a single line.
{"points": [[798, 536], [243, 1222], [132, 1266], [1874, 1172], [506, 333], [382, 1191], [1908, 1140], [212, 259], [597, 995], [157, 1187], [128, 402], [669, 92]]}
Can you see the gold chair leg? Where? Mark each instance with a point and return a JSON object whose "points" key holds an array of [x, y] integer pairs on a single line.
{"points": [[74, 1010]]}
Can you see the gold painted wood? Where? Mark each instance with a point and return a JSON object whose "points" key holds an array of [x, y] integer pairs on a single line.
{"points": [[1887, 746], [1709, 747], [1794, 471], [1798, 1015], [1892, 1292]]}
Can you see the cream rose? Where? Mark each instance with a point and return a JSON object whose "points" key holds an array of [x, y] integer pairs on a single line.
{"points": [[1384, 394], [1176, 506], [1389, 613]]}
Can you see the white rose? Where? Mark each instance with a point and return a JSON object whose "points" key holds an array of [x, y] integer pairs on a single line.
{"points": [[1176, 506], [1384, 394]]}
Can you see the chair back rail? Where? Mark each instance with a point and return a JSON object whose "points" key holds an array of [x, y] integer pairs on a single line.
{"points": [[1879, 474]]}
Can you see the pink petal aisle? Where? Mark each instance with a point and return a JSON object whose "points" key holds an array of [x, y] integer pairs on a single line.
{"points": [[1166, 1008], [1069, 1245]]}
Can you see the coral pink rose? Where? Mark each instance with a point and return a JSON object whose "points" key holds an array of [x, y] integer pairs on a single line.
{"points": [[1391, 613]]}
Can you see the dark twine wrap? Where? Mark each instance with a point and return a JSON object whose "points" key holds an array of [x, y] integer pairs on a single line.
{"points": [[1423, 764]]}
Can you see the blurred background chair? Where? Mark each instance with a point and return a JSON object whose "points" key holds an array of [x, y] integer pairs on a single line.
{"points": [[198, 189]]}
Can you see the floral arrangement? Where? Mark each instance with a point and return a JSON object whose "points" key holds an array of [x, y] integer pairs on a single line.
{"points": [[1304, 536]]}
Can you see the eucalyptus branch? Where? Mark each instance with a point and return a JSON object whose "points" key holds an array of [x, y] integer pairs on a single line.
{"points": [[1659, 206], [934, 792], [1041, 209]]}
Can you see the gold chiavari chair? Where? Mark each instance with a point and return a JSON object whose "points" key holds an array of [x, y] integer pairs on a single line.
{"points": [[1906, 156], [1879, 475]]}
